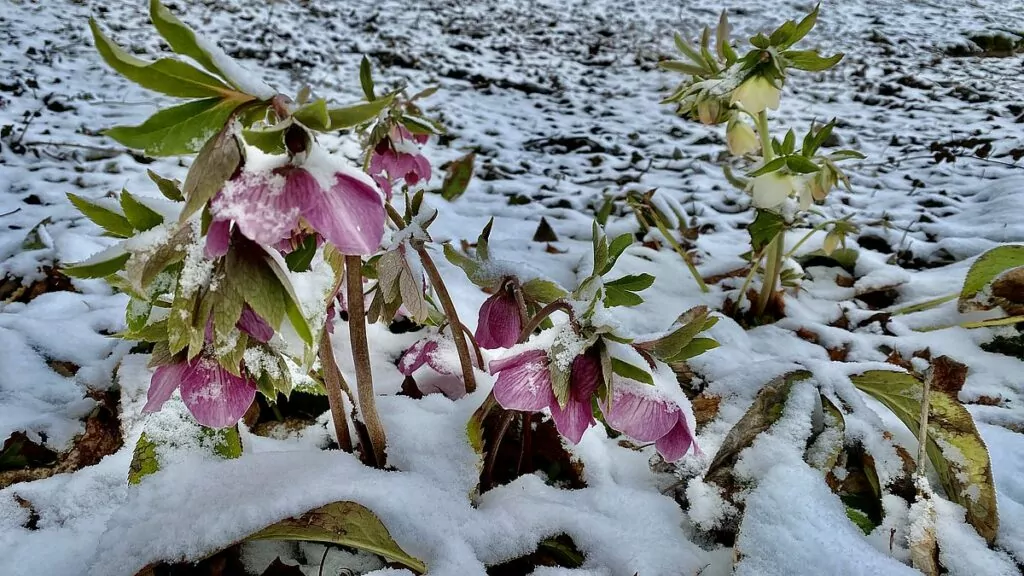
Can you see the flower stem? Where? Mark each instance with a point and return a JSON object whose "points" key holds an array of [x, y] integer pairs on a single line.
{"points": [[682, 253], [806, 237], [453, 316], [772, 269], [361, 359], [761, 123], [476, 346], [541, 315], [335, 383], [926, 305]]}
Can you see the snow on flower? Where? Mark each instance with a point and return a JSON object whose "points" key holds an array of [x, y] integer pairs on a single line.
{"points": [[640, 412], [214, 396], [397, 157], [267, 200]]}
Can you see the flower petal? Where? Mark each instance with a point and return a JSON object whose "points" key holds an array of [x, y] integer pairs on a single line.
{"points": [[218, 238], [416, 356], [350, 215], [524, 382], [214, 396], [770, 190], [677, 442], [638, 413], [499, 322], [161, 386], [254, 325], [260, 203], [578, 414]]}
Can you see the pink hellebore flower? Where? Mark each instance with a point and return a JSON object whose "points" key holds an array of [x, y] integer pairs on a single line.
{"points": [[524, 383], [499, 323], [214, 396], [397, 157], [424, 352], [638, 411], [266, 200]]}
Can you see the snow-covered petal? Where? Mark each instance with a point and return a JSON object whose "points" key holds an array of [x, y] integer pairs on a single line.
{"points": [[524, 381], [214, 396], [261, 204], [420, 353], [349, 215], [639, 413], [578, 415], [162, 385], [499, 322], [254, 325], [677, 442], [218, 238]]}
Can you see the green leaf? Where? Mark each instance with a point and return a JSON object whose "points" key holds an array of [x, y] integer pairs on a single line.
{"points": [[181, 129], [810, 60], [483, 240], [633, 372], [298, 260], [290, 300], [34, 239], [614, 296], [137, 314], [815, 138], [846, 155], [690, 323], [605, 210], [115, 224], [217, 161], [99, 266], [476, 273], [801, 29], [696, 347], [782, 34], [542, 291], [366, 79], [601, 250], [343, 524], [458, 176], [789, 143], [144, 460], [861, 520], [350, 116], [722, 45], [615, 249], [269, 139], [180, 37], [632, 282], [140, 216], [801, 165], [171, 189], [760, 41], [986, 269], [314, 115], [772, 166], [765, 227], [677, 66], [954, 446], [687, 50], [167, 76]]}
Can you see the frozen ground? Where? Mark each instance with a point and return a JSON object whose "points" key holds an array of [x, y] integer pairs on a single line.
{"points": [[559, 99]]}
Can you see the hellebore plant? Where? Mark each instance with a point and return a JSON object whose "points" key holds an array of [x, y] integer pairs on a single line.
{"points": [[725, 87]]}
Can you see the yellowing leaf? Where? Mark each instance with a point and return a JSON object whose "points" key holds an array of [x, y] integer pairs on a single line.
{"points": [[344, 524], [986, 268], [457, 179], [216, 162], [954, 446]]}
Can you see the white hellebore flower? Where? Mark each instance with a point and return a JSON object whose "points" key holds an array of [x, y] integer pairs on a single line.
{"points": [[741, 138], [770, 190], [755, 94]]}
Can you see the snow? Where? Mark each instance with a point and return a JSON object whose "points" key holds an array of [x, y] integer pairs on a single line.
{"points": [[592, 66]]}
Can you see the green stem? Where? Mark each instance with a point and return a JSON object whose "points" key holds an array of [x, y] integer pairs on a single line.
{"points": [[926, 305], [789, 254], [772, 269], [679, 250], [761, 123], [746, 282], [541, 315], [453, 316], [980, 324], [361, 359]]}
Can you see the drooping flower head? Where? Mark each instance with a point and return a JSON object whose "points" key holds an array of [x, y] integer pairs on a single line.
{"points": [[397, 157], [500, 320], [436, 354], [273, 195], [215, 397]]}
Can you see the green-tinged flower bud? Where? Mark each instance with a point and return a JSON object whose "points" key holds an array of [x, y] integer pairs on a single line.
{"points": [[823, 182], [804, 193], [831, 242], [741, 137], [755, 94], [709, 110], [770, 190]]}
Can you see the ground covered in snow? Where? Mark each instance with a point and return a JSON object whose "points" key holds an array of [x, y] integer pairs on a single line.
{"points": [[558, 98]]}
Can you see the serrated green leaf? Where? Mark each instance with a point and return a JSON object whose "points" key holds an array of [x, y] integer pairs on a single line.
{"points": [[366, 79], [614, 296], [180, 37], [171, 189], [457, 178], [99, 266], [34, 239], [677, 66], [954, 446], [291, 301], [140, 216], [299, 260], [181, 129], [476, 273], [217, 161], [633, 372], [350, 116], [801, 165], [810, 60], [343, 524], [115, 224], [137, 314], [760, 41], [696, 347], [314, 115], [765, 227], [861, 520], [615, 249], [632, 282], [986, 269], [690, 323], [542, 291], [801, 29], [167, 76]]}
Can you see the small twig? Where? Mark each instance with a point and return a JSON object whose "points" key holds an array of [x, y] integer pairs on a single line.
{"points": [[323, 560], [15, 211]]}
